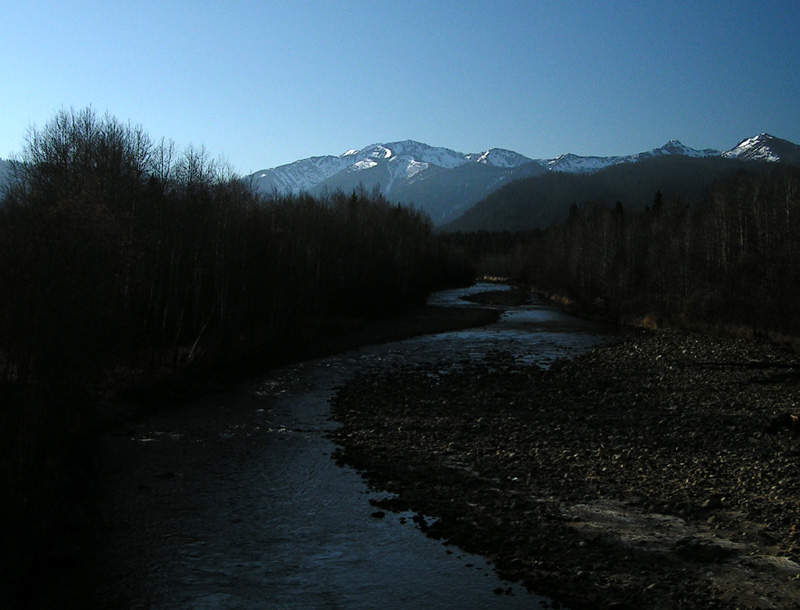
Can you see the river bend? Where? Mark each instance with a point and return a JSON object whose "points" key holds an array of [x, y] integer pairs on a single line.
{"points": [[241, 506]]}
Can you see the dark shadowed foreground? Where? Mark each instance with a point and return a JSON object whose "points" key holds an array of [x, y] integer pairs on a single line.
{"points": [[661, 472], [233, 501]]}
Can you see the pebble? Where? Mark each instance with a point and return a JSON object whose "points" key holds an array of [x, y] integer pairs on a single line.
{"points": [[676, 444]]}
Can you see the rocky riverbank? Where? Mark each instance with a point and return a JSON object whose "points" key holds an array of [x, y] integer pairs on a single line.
{"points": [[660, 472]]}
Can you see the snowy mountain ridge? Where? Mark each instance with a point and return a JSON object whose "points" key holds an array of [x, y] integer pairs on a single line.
{"points": [[764, 147], [577, 164], [444, 183], [406, 158], [409, 158]]}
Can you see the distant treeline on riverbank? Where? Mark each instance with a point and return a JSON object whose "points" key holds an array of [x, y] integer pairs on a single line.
{"points": [[731, 262], [116, 251], [123, 257]]}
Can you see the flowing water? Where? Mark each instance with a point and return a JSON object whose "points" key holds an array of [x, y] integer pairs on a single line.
{"points": [[256, 514]]}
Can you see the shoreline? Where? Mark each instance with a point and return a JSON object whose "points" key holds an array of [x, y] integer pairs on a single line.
{"points": [[658, 472], [52, 575], [566, 540]]}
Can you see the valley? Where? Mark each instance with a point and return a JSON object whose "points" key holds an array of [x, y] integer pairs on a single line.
{"points": [[446, 184]]}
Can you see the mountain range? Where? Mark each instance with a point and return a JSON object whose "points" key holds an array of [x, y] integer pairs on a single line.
{"points": [[439, 181], [445, 183]]}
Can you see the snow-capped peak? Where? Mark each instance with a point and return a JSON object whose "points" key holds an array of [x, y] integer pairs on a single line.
{"points": [[499, 157], [406, 149], [757, 148], [389, 164], [379, 151], [676, 147]]}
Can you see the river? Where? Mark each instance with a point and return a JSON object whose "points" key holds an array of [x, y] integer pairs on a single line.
{"points": [[241, 506]]}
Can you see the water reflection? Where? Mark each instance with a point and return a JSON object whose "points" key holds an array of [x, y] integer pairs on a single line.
{"points": [[534, 333]]}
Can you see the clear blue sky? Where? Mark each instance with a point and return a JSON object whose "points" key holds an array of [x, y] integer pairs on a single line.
{"points": [[266, 83]]}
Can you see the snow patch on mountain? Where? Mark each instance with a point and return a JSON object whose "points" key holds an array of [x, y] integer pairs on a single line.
{"points": [[443, 182], [578, 164], [675, 147], [440, 157], [757, 148], [403, 160], [414, 167], [433, 155], [402, 167], [298, 176], [378, 151], [499, 157], [361, 165]]}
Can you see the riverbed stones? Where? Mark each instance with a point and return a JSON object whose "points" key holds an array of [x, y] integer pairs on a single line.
{"points": [[649, 473]]}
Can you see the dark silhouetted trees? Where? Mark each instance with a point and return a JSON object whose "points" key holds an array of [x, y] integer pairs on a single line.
{"points": [[732, 260], [121, 256], [117, 251]]}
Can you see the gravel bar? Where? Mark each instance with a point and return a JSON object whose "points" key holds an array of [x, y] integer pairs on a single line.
{"points": [[659, 472]]}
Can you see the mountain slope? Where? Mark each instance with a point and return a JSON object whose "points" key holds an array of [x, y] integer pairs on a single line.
{"points": [[576, 164], [765, 147], [445, 183], [541, 201], [298, 176], [439, 181], [446, 194]]}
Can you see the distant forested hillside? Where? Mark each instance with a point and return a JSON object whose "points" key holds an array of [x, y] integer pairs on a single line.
{"points": [[544, 200], [731, 261]]}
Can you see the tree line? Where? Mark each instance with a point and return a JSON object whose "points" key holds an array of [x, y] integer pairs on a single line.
{"points": [[732, 260], [122, 257], [544, 200], [119, 251]]}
